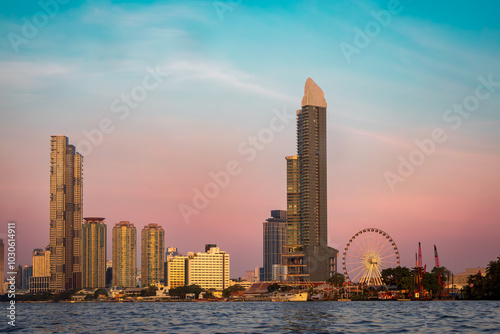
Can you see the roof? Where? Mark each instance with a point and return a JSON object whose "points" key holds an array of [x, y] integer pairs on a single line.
{"points": [[313, 95], [258, 288]]}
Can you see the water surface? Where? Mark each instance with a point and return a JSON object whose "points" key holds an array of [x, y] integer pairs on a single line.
{"points": [[258, 317]]}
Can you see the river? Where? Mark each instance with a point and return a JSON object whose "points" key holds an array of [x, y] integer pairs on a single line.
{"points": [[257, 317]]}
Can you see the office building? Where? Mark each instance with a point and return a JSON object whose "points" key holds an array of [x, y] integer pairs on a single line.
{"points": [[27, 274], [308, 256], [274, 232], [152, 252], [124, 255], [94, 252], [65, 215], [279, 272]]}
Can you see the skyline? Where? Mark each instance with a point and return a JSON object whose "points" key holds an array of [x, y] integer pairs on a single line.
{"points": [[230, 79]]}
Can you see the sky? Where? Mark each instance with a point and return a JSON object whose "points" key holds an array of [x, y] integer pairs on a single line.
{"points": [[184, 113]]}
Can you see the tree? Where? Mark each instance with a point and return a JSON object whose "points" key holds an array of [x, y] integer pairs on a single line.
{"points": [[99, 292], [235, 288], [401, 277], [492, 280], [336, 279], [182, 291], [476, 287], [65, 295], [150, 291], [273, 287], [443, 271], [430, 283]]}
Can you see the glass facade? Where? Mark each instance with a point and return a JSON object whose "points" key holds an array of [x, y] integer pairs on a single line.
{"points": [[275, 236]]}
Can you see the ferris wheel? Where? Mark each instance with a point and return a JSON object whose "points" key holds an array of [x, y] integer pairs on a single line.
{"points": [[366, 254]]}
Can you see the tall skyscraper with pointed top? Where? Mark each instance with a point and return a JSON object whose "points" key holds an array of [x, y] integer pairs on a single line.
{"points": [[66, 205], [307, 227]]}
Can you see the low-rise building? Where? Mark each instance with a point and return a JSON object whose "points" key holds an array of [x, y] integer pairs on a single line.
{"points": [[460, 279]]}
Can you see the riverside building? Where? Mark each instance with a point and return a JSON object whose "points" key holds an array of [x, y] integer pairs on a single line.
{"points": [[66, 205], [124, 255]]}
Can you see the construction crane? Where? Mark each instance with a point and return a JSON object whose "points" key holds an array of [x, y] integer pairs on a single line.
{"points": [[440, 279], [420, 272]]}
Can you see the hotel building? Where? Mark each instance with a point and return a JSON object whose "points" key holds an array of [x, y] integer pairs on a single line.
{"points": [[210, 270]]}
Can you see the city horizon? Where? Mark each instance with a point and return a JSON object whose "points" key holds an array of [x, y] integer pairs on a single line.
{"points": [[195, 141]]}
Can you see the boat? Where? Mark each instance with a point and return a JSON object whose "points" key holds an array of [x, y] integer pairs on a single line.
{"points": [[291, 297], [317, 297]]}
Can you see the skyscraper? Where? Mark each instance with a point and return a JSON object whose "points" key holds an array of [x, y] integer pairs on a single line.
{"points": [[124, 254], [152, 252], [307, 188], [27, 274], [274, 232], [65, 215], [94, 253]]}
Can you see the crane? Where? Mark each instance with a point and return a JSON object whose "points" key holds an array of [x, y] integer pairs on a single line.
{"points": [[439, 273]]}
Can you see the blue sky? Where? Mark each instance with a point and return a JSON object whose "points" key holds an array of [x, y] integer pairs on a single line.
{"points": [[226, 76]]}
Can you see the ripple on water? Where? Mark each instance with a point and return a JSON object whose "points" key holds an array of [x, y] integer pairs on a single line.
{"points": [[258, 317]]}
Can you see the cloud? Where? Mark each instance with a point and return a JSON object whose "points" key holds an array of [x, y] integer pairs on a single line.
{"points": [[207, 71], [29, 75]]}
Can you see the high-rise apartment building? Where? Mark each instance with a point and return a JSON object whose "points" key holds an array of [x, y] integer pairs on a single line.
{"points": [[152, 252], [94, 252], [124, 254], [274, 232], [309, 254], [66, 200]]}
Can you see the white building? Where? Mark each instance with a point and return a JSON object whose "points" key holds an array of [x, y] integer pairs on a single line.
{"points": [[210, 270]]}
